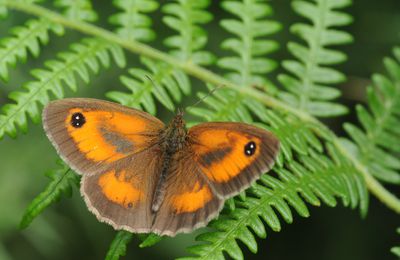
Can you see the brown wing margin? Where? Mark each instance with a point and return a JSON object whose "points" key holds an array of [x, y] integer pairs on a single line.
{"points": [[232, 155]]}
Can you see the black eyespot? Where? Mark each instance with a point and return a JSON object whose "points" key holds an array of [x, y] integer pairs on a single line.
{"points": [[77, 120], [250, 148]]}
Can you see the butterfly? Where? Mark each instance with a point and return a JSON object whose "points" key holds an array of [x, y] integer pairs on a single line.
{"points": [[143, 176]]}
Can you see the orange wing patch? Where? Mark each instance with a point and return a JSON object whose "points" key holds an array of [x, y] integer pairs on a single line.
{"points": [[221, 155], [119, 188], [192, 200], [93, 137]]}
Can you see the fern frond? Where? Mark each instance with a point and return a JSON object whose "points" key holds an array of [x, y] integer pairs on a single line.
{"points": [[118, 245], [25, 38], [250, 46], [62, 181], [396, 250], [132, 21], [184, 16], [378, 144], [160, 81], [317, 179], [88, 55], [77, 10], [307, 83]]}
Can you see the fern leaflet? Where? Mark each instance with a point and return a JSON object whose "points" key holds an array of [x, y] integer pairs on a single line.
{"points": [[307, 85], [77, 10], [184, 17], [25, 38], [83, 57], [62, 180], [118, 245], [133, 23]]}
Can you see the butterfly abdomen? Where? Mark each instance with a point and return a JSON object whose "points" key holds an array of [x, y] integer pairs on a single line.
{"points": [[173, 139]]}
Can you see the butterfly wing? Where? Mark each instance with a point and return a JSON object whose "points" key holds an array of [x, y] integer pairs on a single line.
{"points": [[189, 201], [90, 135], [122, 195], [232, 155]]}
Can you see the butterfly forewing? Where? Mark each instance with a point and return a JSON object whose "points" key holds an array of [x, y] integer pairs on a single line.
{"points": [[91, 135]]}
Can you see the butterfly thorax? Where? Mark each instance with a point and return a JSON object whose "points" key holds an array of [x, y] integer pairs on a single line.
{"points": [[173, 139], [174, 135]]}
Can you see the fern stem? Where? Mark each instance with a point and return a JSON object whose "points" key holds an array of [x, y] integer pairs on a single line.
{"points": [[374, 186]]}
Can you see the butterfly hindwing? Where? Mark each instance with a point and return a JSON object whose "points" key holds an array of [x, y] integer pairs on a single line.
{"points": [[122, 195], [232, 155], [189, 201]]}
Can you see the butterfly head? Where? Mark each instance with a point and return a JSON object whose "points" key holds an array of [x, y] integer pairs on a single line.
{"points": [[178, 122]]}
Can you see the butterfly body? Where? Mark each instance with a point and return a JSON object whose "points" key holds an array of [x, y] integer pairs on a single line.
{"points": [[143, 176]]}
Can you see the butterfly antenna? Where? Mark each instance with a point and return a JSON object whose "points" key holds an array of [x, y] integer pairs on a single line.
{"points": [[205, 96]]}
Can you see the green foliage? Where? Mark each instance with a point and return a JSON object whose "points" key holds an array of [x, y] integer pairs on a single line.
{"points": [[396, 250], [249, 44], [249, 47], [378, 146], [162, 82], [317, 178], [4, 10], [133, 23], [83, 57], [309, 74], [150, 239], [77, 10], [184, 17], [313, 166], [25, 38], [118, 245], [62, 180]]}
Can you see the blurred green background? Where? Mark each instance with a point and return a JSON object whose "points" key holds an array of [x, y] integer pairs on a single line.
{"points": [[68, 231]]}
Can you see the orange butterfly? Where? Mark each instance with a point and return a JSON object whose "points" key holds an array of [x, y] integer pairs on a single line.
{"points": [[143, 176]]}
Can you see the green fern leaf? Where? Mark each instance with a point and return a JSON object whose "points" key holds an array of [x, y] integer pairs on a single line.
{"points": [[132, 21], [162, 82], [86, 56], [184, 17], [62, 180], [77, 10], [150, 240], [307, 84], [118, 245], [25, 38], [378, 145]]}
